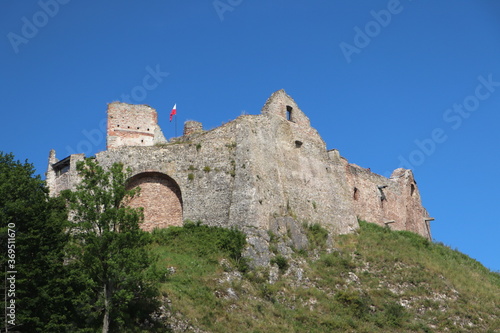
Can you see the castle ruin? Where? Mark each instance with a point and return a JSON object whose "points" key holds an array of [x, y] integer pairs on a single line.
{"points": [[258, 173]]}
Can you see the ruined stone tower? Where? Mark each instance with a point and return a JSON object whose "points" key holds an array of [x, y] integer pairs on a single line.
{"points": [[132, 125], [269, 171]]}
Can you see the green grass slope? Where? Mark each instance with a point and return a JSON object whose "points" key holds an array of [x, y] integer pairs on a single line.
{"points": [[374, 280]]}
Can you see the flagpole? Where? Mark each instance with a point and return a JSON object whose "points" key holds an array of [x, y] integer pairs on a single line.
{"points": [[175, 125], [173, 113]]}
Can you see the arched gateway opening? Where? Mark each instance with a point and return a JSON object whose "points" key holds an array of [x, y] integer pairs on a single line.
{"points": [[160, 196]]}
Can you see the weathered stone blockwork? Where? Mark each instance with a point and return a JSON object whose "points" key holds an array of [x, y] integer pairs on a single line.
{"points": [[256, 173], [162, 197], [132, 125], [62, 175], [393, 201], [191, 127]]}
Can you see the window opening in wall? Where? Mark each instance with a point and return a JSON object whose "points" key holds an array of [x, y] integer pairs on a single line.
{"points": [[298, 143], [289, 110], [62, 166], [142, 141], [412, 189], [382, 194], [138, 127], [62, 170], [117, 125], [356, 194]]}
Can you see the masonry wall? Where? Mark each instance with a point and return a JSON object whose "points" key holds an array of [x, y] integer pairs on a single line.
{"points": [[57, 181], [132, 125], [161, 196], [393, 201], [262, 172], [202, 167], [292, 171]]}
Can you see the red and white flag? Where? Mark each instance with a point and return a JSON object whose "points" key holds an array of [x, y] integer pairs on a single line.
{"points": [[173, 112]]}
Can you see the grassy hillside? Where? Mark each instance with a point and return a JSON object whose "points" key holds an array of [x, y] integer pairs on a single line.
{"points": [[375, 280]]}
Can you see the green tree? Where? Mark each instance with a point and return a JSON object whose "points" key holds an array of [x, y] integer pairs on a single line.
{"points": [[109, 249], [36, 225]]}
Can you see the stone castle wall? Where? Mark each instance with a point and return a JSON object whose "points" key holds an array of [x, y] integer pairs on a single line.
{"points": [[62, 174], [162, 197], [132, 125], [393, 201], [262, 172]]}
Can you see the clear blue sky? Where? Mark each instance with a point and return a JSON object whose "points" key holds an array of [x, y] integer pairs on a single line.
{"points": [[382, 81]]}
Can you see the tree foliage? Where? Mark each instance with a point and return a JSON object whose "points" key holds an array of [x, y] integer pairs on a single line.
{"points": [[43, 292], [108, 248]]}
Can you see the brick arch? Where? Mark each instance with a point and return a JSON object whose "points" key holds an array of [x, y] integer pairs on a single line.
{"points": [[161, 198]]}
